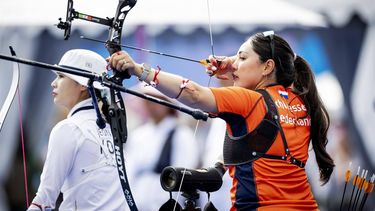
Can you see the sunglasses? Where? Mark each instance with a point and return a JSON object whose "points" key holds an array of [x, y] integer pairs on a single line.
{"points": [[270, 34]]}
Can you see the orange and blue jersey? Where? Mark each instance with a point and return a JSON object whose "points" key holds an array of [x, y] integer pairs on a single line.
{"points": [[268, 184]]}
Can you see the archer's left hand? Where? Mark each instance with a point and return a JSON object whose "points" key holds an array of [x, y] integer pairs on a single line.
{"points": [[121, 61]]}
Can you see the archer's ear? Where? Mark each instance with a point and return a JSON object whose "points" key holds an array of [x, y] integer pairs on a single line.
{"points": [[269, 67]]}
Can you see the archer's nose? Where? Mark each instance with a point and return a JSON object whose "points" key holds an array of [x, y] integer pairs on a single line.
{"points": [[53, 83]]}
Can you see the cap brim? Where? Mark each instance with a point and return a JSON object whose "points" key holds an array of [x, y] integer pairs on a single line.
{"points": [[80, 79]]}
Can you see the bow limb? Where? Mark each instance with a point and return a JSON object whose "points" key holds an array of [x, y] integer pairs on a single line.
{"points": [[12, 92], [5, 109], [113, 43]]}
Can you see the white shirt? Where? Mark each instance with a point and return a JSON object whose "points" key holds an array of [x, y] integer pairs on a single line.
{"points": [[77, 144], [142, 152]]}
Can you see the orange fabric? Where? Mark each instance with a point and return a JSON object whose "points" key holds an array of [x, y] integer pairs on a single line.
{"points": [[233, 188], [278, 184]]}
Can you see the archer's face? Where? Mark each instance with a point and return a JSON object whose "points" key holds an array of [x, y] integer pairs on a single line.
{"points": [[248, 67], [66, 92]]}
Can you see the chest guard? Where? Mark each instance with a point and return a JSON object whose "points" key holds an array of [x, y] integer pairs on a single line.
{"points": [[254, 145]]}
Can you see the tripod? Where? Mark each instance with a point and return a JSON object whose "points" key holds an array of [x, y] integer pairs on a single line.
{"points": [[191, 197]]}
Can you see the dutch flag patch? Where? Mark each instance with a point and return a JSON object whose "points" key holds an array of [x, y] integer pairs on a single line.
{"points": [[283, 94]]}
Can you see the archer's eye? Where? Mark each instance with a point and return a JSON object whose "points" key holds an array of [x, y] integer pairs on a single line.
{"points": [[59, 75]]}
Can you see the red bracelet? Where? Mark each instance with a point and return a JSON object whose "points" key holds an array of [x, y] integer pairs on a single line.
{"points": [[184, 83], [108, 67], [40, 206], [155, 80], [37, 205]]}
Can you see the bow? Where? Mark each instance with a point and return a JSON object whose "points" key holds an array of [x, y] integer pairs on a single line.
{"points": [[116, 109]]}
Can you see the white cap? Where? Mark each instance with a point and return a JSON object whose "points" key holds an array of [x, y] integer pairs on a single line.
{"points": [[85, 60]]}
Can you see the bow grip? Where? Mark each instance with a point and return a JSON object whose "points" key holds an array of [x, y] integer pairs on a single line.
{"points": [[112, 48]]}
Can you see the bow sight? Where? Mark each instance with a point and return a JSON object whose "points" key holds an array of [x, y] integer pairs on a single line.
{"points": [[113, 43], [71, 14]]}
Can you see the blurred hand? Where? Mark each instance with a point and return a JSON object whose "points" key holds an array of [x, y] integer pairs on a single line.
{"points": [[220, 66]]}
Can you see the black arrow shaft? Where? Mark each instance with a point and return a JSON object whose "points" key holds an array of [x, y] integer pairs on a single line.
{"points": [[203, 61]]}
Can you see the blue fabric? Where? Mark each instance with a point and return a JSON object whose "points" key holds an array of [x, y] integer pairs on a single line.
{"points": [[237, 123], [246, 195]]}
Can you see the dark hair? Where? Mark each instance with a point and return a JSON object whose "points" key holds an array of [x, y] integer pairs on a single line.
{"points": [[294, 70]]}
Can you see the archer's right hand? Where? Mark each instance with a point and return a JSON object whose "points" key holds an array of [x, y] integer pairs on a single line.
{"points": [[220, 66]]}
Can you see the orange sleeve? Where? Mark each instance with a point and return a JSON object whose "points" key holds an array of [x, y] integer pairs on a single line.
{"points": [[235, 99]]}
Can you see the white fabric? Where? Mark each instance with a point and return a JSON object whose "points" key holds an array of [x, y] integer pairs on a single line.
{"points": [[75, 143], [142, 152], [84, 60], [339, 12], [231, 13]]}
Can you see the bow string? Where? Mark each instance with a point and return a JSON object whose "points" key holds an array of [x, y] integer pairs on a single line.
{"points": [[208, 84]]}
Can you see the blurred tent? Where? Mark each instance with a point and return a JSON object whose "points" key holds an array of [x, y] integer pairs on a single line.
{"points": [[166, 12], [340, 12]]}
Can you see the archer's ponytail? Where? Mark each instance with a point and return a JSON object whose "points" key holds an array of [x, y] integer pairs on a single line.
{"points": [[304, 85]]}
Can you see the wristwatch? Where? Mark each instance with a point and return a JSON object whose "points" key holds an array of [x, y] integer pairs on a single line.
{"points": [[146, 71]]}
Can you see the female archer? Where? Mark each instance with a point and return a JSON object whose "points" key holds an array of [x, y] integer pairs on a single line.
{"points": [[272, 112], [80, 160]]}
